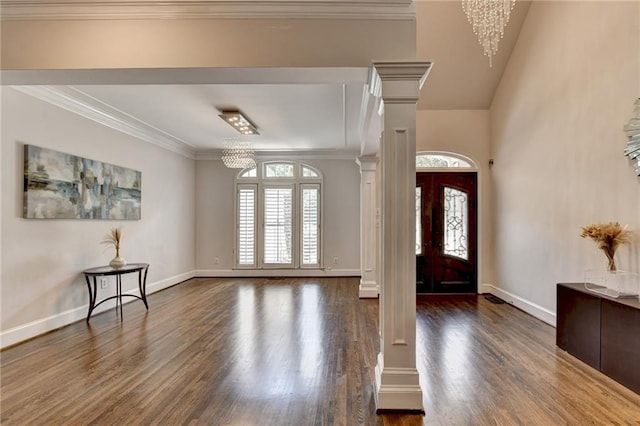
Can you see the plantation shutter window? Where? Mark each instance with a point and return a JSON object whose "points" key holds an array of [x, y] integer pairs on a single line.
{"points": [[278, 225], [246, 243], [278, 216], [310, 218]]}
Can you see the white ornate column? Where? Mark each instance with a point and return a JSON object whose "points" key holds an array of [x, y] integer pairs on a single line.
{"points": [[397, 383], [368, 238]]}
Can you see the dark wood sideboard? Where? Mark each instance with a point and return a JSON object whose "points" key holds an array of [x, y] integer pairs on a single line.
{"points": [[601, 331]]}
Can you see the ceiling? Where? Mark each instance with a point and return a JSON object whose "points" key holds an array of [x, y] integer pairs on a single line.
{"points": [[312, 116], [460, 77], [289, 117]]}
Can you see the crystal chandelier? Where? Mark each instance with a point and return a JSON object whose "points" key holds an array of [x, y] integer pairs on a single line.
{"points": [[488, 18], [238, 155]]}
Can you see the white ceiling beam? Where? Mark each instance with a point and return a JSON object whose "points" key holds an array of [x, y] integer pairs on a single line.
{"points": [[263, 75], [207, 9]]}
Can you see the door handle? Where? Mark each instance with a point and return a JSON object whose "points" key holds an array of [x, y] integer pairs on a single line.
{"points": [[433, 221]]}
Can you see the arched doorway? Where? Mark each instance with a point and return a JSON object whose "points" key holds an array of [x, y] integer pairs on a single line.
{"points": [[446, 223]]}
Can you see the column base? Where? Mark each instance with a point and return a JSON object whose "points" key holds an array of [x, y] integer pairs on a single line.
{"points": [[397, 389], [368, 289]]}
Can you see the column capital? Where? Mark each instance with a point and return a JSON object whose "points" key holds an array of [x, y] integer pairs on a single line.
{"points": [[367, 163], [398, 82]]}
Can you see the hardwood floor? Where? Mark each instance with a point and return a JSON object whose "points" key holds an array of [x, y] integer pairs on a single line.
{"points": [[298, 352]]}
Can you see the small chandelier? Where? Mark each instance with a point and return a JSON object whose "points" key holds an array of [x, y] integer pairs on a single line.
{"points": [[238, 155], [488, 18]]}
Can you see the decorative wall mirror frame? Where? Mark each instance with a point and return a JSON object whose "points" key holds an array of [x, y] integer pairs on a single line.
{"points": [[633, 133]]}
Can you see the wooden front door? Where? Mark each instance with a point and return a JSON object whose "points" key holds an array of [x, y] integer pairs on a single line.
{"points": [[446, 237]]}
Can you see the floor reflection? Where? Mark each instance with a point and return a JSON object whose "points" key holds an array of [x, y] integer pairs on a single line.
{"points": [[310, 336], [445, 346], [279, 340]]}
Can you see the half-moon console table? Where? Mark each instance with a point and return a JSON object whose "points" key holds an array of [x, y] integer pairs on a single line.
{"points": [[105, 271], [601, 331]]}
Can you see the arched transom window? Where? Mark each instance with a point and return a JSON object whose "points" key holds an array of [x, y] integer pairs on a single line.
{"points": [[278, 216], [440, 160]]}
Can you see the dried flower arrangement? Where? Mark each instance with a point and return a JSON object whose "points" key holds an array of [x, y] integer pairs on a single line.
{"points": [[608, 236], [114, 237]]}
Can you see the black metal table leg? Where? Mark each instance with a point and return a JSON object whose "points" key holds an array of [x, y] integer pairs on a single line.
{"points": [[92, 295], [142, 285], [119, 301]]}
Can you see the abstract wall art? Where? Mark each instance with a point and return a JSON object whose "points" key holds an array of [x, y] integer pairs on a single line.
{"points": [[65, 186]]}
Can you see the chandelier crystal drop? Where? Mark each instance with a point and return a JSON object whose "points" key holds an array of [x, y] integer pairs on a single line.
{"points": [[238, 155], [488, 19]]}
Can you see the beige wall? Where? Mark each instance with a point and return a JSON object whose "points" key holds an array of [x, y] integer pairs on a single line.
{"points": [[464, 132], [42, 287], [340, 215], [557, 140], [161, 43]]}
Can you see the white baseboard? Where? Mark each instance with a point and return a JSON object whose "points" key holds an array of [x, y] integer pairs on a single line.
{"points": [[27, 331], [529, 307], [277, 273]]}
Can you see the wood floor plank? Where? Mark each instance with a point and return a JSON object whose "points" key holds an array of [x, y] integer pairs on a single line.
{"points": [[298, 352]]}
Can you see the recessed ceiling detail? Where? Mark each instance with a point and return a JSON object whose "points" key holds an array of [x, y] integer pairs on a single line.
{"points": [[293, 118]]}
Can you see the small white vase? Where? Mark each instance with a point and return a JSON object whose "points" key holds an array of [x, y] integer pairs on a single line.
{"points": [[117, 262]]}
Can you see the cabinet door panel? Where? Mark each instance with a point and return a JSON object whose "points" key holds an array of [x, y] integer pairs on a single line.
{"points": [[578, 325], [620, 352]]}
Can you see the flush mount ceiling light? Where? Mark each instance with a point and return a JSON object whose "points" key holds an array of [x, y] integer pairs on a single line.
{"points": [[488, 18], [633, 133], [239, 121], [237, 154]]}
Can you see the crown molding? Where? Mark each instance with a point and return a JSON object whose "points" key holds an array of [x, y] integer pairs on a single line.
{"points": [[15, 10], [88, 107], [319, 154]]}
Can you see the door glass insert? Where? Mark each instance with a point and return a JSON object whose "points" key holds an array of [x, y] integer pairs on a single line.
{"points": [[418, 220], [456, 223]]}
